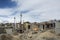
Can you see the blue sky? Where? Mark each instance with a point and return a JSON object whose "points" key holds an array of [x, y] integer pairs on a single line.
{"points": [[32, 10], [7, 4]]}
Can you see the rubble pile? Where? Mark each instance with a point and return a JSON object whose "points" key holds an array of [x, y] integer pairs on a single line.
{"points": [[48, 35]]}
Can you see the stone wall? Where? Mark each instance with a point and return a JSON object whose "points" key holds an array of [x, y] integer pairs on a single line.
{"points": [[57, 27]]}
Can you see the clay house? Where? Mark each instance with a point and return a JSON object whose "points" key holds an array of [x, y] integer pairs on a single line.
{"points": [[17, 25], [57, 26], [27, 26], [35, 27], [52, 24], [9, 28], [2, 30], [6, 28], [47, 25]]}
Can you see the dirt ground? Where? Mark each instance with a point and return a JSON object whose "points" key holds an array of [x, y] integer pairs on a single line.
{"points": [[48, 35]]}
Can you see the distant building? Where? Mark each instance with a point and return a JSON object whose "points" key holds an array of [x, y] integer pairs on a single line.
{"points": [[53, 24], [35, 26], [47, 25], [27, 26], [57, 26], [9, 30], [2, 30]]}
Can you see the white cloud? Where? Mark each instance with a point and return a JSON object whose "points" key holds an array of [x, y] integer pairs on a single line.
{"points": [[5, 11], [38, 10], [42, 9]]}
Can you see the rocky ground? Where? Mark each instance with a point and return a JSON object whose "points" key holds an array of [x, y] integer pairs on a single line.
{"points": [[48, 35]]}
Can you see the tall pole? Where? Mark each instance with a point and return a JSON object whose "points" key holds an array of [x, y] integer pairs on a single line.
{"points": [[14, 23], [21, 18], [21, 21]]}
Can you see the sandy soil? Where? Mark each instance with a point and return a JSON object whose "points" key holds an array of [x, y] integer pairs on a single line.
{"points": [[48, 35]]}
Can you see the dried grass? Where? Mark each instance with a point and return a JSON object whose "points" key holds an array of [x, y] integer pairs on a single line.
{"points": [[6, 37]]}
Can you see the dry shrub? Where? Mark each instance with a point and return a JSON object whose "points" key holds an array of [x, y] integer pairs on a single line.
{"points": [[6, 37], [3, 37], [48, 35], [50, 39], [15, 33], [52, 31], [47, 38], [58, 34]]}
